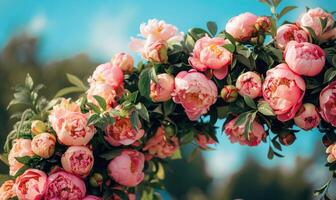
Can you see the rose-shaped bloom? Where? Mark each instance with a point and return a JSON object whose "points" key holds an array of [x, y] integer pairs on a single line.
{"points": [[312, 19], [229, 93], [105, 91], [78, 160], [124, 61], [70, 124], [209, 53], [328, 103], [21, 147], [31, 185], [195, 92], [6, 190], [242, 27], [307, 117], [304, 58], [121, 132], [91, 197], [203, 140], [249, 84], [161, 90], [156, 51], [109, 74], [236, 133], [283, 90], [43, 145], [126, 169], [160, 145], [290, 32], [63, 185], [331, 151]]}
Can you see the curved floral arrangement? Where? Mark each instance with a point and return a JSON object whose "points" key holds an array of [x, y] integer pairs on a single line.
{"points": [[111, 142]]}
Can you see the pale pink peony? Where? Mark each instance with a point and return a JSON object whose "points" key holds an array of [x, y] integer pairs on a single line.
{"points": [[21, 148], [124, 61], [78, 160], [236, 133], [156, 52], [304, 58], [209, 53], [105, 91], [161, 145], [127, 168], [283, 90], [328, 103], [70, 124], [161, 90], [63, 185], [312, 19], [121, 132], [307, 117], [6, 190], [249, 84], [43, 145], [331, 151], [91, 197], [108, 74], [31, 185], [195, 92], [242, 26], [290, 32], [204, 140]]}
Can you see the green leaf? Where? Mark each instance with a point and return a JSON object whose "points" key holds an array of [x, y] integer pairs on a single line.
{"points": [[76, 81], [230, 38], [176, 155], [135, 120], [285, 10], [212, 27], [248, 125], [143, 112], [68, 90], [222, 111], [5, 177], [187, 137], [265, 109], [276, 3], [230, 47], [333, 60], [92, 106], [311, 32], [145, 80], [329, 75], [194, 153], [270, 154], [101, 101], [323, 189], [109, 155], [93, 119], [168, 107], [276, 144], [197, 33], [324, 23], [29, 83], [267, 2], [250, 102], [242, 118]]}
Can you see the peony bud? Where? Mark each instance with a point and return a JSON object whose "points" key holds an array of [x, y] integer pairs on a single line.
{"points": [[161, 90], [156, 52], [96, 180], [263, 24], [331, 151], [287, 138], [43, 145], [229, 93], [124, 61], [38, 127], [307, 117], [326, 141], [249, 84]]}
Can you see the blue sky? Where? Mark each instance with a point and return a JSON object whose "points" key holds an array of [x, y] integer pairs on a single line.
{"points": [[102, 28]]}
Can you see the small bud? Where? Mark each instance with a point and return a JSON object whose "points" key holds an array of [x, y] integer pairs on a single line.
{"points": [[287, 138], [156, 52], [124, 61], [263, 24], [169, 130], [229, 93], [96, 180], [38, 127]]}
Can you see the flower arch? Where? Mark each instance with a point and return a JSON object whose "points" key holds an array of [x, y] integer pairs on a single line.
{"points": [[267, 81]]}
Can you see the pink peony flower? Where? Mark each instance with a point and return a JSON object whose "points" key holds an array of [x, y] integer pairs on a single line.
{"points": [[331, 151], [229, 93], [43, 145], [195, 92], [312, 19], [160, 145], [328, 103], [304, 58], [203, 140], [121, 132], [236, 133], [31, 185], [290, 32], [242, 27], [126, 169], [263, 23], [161, 90], [307, 117], [249, 84], [283, 90], [105, 91], [62, 185], [156, 52], [6, 190], [78, 160], [91, 197], [124, 61], [70, 124], [108, 74], [21, 147], [209, 53]]}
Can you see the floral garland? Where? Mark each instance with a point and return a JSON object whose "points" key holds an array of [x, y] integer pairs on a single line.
{"points": [[266, 81]]}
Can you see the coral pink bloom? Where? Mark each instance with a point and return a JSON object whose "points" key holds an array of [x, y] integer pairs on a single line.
{"points": [[109, 74], [126, 169], [124, 61], [6, 190], [70, 124], [195, 92], [203, 140], [304, 58], [236, 133], [105, 91], [328, 103], [91, 197], [31, 185], [209, 53], [43, 145], [161, 90], [160, 145], [249, 84], [21, 147], [78, 160], [331, 151], [312, 19], [290, 32], [283, 90], [63, 185], [242, 27], [307, 117]]}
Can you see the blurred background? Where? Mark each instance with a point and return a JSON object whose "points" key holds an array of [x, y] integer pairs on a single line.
{"points": [[51, 38]]}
